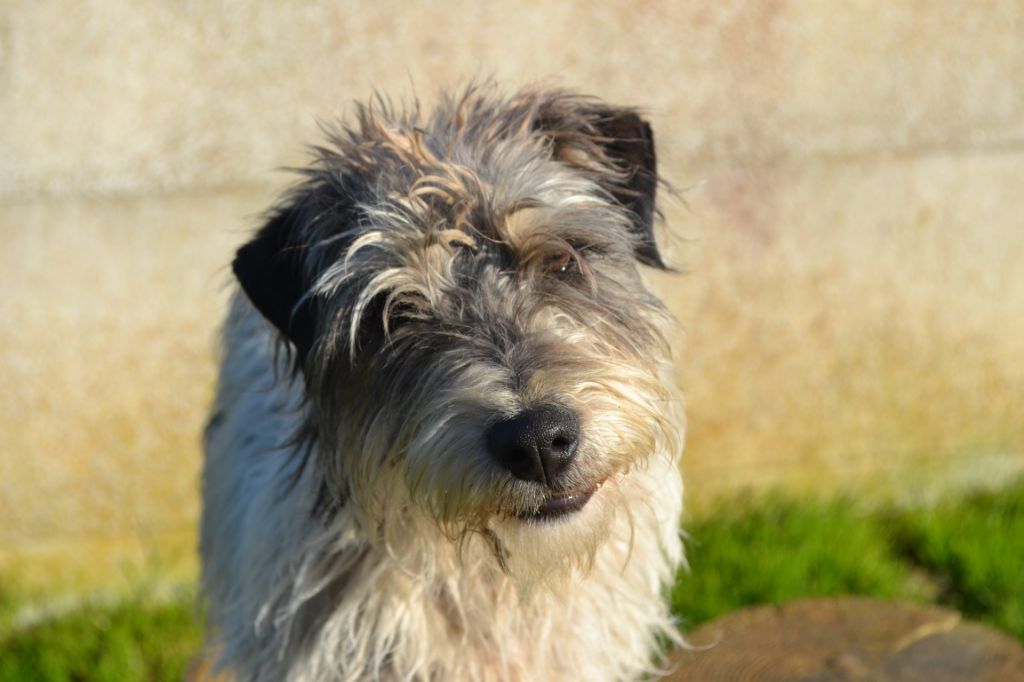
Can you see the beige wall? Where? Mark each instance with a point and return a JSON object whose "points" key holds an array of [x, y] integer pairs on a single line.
{"points": [[852, 230], [136, 96]]}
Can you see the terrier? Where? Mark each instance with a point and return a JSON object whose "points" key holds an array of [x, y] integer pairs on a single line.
{"points": [[446, 435]]}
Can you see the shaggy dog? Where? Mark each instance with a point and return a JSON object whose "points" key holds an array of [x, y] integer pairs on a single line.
{"points": [[446, 435]]}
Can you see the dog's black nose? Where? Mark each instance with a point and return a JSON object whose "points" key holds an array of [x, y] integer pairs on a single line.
{"points": [[535, 445]]}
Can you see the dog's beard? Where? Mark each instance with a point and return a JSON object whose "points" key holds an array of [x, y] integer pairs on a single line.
{"points": [[548, 552], [532, 553], [451, 494]]}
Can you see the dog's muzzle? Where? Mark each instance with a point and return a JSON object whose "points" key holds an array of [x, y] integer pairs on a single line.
{"points": [[539, 446]]}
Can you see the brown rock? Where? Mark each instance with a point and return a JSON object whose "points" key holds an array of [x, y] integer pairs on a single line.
{"points": [[848, 639]]}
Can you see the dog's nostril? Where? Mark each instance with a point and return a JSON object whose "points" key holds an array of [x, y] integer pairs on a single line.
{"points": [[535, 445]]}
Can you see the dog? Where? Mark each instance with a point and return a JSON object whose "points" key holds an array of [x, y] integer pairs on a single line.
{"points": [[446, 435]]}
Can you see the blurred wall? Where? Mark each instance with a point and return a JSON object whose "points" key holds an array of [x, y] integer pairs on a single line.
{"points": [[851, 227]]}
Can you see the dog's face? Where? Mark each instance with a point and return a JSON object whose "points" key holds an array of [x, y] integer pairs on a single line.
{"points": [[463, 298]]}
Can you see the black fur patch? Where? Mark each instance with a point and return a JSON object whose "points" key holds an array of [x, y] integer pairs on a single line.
{"points": [[631, 145], [271, 271]]}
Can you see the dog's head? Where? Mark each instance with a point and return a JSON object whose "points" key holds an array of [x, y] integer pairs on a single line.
{"points": [[462, 296]]}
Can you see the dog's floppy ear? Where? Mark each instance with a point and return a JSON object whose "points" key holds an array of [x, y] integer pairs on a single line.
{"points": [[629, 142], [626, 141], [272, 274]]}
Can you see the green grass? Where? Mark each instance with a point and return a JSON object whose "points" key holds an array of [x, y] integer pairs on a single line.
{"points": [[965, 554], [776, 550], [974, 553], [133, 640]]}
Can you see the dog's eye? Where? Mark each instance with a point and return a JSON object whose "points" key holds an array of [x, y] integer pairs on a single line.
{"points": [[560, 263]]}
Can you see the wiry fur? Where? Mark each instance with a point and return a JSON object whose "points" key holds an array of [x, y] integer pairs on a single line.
{"points": [[354, 525]]}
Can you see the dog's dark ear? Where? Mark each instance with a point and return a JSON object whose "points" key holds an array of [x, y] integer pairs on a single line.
{"points": [[629, 142], [271, 271]]}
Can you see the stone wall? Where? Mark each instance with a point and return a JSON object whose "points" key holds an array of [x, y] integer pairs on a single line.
{"points": [[851, 227]]}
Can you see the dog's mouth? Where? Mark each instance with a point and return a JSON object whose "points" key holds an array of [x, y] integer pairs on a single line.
{"points": [[560, 505]]}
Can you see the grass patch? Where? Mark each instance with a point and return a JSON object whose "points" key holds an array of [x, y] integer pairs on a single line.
{"points": [[964, 554], [974, 552], [132, 640], [774, 550]]}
